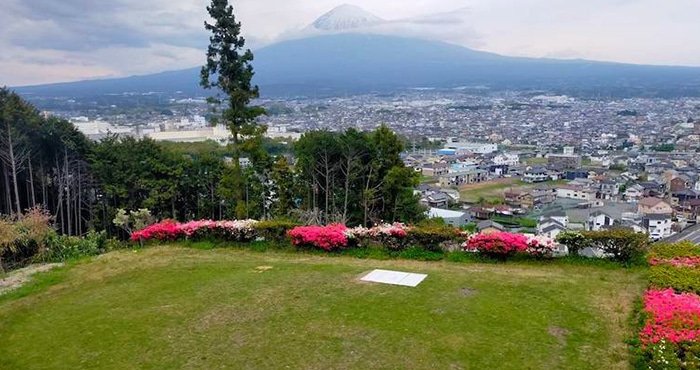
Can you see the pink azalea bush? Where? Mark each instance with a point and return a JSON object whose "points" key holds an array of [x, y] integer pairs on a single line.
{"points": [[392, 236], [505, 244], [328, 238], [168, 230], [676, 261], [540, 246], [498, 244], [672, 317]]}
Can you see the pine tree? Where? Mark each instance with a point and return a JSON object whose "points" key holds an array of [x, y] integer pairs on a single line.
{"points": [[229, 70]]}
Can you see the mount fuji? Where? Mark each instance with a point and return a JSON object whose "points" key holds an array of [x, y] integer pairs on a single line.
{"points": [[342, 52], [345, 17]]}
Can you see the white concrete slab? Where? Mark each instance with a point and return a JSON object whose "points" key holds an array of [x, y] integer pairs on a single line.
{"points": [[394, 278]]}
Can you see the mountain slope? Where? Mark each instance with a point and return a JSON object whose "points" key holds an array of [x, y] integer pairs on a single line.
{"points": [[342, 63]]}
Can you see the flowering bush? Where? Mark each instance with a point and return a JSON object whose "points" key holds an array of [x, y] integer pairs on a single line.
{"points": [[498, 244], [672, 316], [670, 338], [540, 246], [393, 236], [165, 230], [676, 261], [168, 230], [328, 238]]}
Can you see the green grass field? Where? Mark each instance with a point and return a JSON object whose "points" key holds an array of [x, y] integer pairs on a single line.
{"points": [[177, 308], [495, 190]]}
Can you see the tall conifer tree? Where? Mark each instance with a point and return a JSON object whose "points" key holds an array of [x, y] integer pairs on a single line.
{"points": [[229, 71]]}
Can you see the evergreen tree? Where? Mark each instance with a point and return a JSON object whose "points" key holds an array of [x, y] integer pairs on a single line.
{"points": [[229, 70]]}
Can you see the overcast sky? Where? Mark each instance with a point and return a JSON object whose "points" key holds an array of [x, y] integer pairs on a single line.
{"points": [[46, 41]]}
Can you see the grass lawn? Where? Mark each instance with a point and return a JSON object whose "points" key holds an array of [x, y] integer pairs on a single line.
{"points": [[495, 190], [168, 308]]}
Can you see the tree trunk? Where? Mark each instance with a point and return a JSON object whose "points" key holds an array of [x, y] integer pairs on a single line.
{"points": [[68, 185], [31, 183], [13, 168], [8, 194]]}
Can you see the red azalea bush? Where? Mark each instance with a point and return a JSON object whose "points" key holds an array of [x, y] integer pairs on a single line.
{"points": [[166, 230], [328, 238]]}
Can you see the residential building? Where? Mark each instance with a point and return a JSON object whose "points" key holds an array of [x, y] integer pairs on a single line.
{"points": [[489, 227], [459, 178], [573, 192], [536, 175], [454, 218], [565, 160], [506, 159], [659, 226], [647, 206], [477, 148], [599, 221]]}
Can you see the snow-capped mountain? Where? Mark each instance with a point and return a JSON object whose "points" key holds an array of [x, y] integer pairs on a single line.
{"points": [[346, 17]]}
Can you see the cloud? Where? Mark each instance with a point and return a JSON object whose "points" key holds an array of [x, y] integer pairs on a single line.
{"points": [[51, 41]]}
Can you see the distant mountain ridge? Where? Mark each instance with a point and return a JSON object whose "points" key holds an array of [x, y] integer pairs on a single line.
{"points": [[344, 59]]}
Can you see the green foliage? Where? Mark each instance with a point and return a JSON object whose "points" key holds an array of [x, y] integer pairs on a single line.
{"points": [[431, 235], [624, 245], [574, 241], [229, 69], [681, 249], [356, 177], [61, 248], [275, 230], [134, 220], [421, 254], [681, 279], [664, 148]]}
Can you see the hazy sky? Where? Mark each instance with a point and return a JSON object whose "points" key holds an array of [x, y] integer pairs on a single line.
{"points": [[46, 41]]}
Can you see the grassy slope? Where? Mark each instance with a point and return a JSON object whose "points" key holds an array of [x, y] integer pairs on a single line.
{"points": [[183, 308]]}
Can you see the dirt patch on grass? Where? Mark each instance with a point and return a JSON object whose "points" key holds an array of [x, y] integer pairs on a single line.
{"points": [[468, 292], [20, 277], [559, 333]]}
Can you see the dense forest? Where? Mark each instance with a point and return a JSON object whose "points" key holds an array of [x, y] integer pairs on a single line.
{"points": [[353, 177]]}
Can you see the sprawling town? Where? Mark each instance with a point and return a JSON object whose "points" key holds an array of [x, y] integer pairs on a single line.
{"points": [[500, 160]]}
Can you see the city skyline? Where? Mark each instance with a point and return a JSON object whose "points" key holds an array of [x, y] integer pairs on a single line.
{"points": [[75, 40]]}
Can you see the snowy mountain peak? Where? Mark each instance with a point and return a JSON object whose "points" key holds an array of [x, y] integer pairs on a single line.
{"points": [[346, 17]]}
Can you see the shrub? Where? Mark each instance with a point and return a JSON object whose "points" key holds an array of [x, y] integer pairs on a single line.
{"points": [[668, 251], [133, 220], [391, 236], [431, 236], [168, 230], [328, 238], [540, 246], [275, 230], [622, 245], [8, 240], [681, 279], [671, 316], [500, 245], [574, 241], [63, 247]]}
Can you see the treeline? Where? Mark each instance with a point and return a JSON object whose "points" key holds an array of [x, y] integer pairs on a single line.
{"points": [[352, 177]]}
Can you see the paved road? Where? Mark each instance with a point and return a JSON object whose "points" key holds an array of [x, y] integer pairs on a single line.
{"points": [[691, 234]]}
